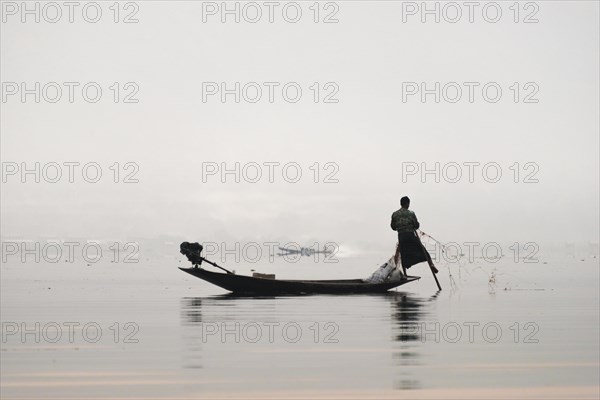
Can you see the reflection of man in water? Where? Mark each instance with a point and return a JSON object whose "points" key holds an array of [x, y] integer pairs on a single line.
{"points": [[409, 248]]}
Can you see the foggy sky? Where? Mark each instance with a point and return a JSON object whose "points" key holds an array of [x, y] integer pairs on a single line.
{"points": [[369, 133]]}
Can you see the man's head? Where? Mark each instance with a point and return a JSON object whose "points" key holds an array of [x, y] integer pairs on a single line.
{"points": [[405, 202]]}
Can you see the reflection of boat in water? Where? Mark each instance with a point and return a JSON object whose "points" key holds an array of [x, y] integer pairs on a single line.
{"points": [[210, 321], [408, 312], [247, 284]]}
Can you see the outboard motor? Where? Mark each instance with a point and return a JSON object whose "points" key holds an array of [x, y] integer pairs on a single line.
{"points": [[192, 251]]}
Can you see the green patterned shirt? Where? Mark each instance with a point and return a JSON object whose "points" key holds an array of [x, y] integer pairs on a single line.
{"points": [[404, 220]]}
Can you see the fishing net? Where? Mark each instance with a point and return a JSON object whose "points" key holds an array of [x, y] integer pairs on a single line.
{"points": [[389, 271]]}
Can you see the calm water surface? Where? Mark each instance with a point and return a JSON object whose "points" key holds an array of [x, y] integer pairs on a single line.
{"points": [[147, 330]]}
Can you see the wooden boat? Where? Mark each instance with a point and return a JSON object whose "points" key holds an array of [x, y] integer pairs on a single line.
{"points": [[261, 286]]}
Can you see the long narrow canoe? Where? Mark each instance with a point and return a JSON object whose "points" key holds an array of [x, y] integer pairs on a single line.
{"points": [[252, 285]]}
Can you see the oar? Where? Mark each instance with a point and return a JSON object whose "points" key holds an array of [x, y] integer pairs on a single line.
{"points": [[429, 261]]}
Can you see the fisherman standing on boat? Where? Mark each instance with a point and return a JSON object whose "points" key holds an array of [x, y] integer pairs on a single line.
{"points": [[409, 247]]}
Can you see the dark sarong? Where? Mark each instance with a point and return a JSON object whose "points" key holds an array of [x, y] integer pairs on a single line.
{"points": [[411, 250]]}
